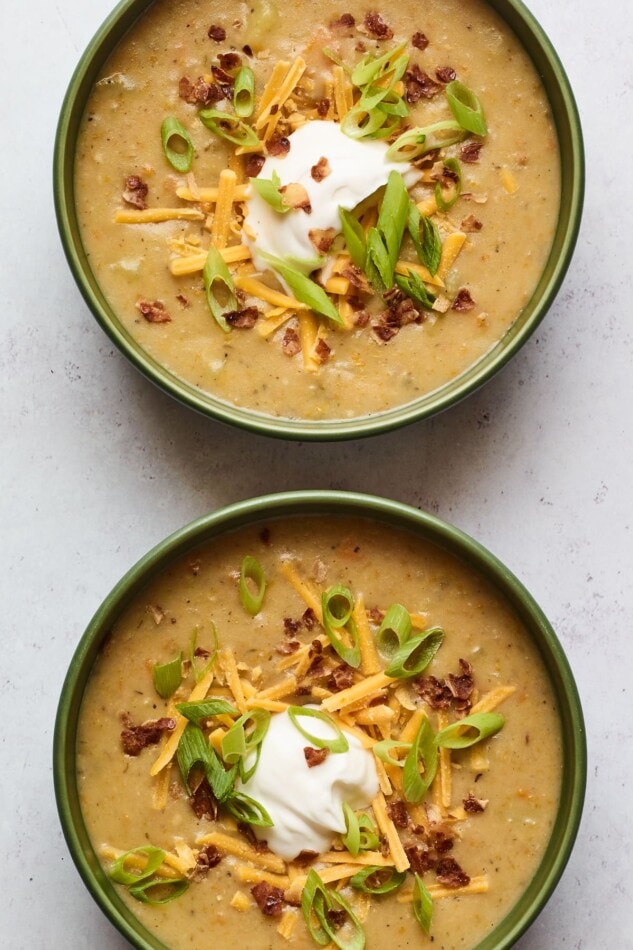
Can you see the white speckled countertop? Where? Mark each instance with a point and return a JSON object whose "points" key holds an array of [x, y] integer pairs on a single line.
{"points": [[97, 465]]}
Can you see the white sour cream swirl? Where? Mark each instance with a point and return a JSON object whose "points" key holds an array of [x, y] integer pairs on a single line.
{"points": [[306, 804]]}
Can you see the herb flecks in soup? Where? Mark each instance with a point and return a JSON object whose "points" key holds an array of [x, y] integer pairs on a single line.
{"points": [[303, 757], [325, 222]]}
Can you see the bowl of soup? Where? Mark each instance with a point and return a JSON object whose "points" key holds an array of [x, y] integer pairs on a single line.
{"points": [[315, 224], [320, 716]]}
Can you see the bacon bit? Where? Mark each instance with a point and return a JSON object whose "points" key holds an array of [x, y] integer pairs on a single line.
{"points": [[207, 858], [316, 648], [398, 813], [445, 74], [323, 107], [322, 350], [314, 757], [420, 860], [375, 25], [336, 918], [383, 333], [253, 165], [420, 41], [470, 152], [291, 344], [342, 677], [268, 898], [135, 192], [419, 85], [278, 145], [290, 646], [229, 61], [309, 618], [247, 50], [471, 223], [157, 612], [295, 196], [461, 686], [292, 627], [136, 738], [202, 653], [345, 20], [321, 170], [201, 92], [441, 841], [361, 318], [474, 805], [242, 319], [356, 278], [463, 301], [434, 693], [322, 238], [182, 300], [376, 615], [222, 77], [305, 857], [204, 803], [153, 311], [217, 33], [450, 874]]}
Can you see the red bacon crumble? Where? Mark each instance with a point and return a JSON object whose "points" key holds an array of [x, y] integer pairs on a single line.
{"points": [[288, 647], [253, 165], [469, 152], [309, 618], [153, 311], [474, 805], [342, 677], [229, 61], [471, 223], [242, 319], [136, 738], [322, 350], [450, 874], [463, 301], [377, 26], [182, 300], [278, 145], [345, 20], [203, 802], [207, 858], [398, 813], [217, 33], [434, 693], [268, 898], [321, 170], [420, 859], [323, 107], [314, 757], [445, 74], [420, 41], [291, 344], [135, 192], [305, 857], [199, 93], [419, 85], [292, 627]]}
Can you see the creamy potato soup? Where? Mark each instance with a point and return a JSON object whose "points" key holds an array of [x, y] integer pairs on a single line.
{"points": [[317, 210], [319, 729]]}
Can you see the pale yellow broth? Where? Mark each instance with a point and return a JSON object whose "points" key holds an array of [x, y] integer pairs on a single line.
{"points": [[519, 776], [500, 264]]}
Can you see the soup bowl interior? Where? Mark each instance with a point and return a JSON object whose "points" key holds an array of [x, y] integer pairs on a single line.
{"points": [[302, 505], [566, 121]]}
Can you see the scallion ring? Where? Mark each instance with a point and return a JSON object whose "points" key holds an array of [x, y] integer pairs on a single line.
{"points": [[470, 730], [351, 838], [445, 203], [244, 92], [316, 901], [394, 630], [339, 744], [218, 283], [168, 888], [168, 677], [198, 712], [415, 654], [118, 872], [229, 127], [244, 808], [418, 141], [252, 573], [337, 605], [466, 107], [423, 748], [413, 286], [172, 133], [375, 879], [383, 749], [422, 904], [200, 669]]}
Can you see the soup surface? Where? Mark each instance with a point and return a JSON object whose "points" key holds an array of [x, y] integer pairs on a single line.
{"points": [[375, 343], [470, 842]]}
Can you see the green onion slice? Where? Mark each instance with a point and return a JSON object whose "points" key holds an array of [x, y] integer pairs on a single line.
{"points": [[466, 107], [268, 189], [415, 654], [422, 904], [426, 238], [422, 139], [383, 750], [372, 68], [200, 670], [378, 880], [470, 730], [354, 235], [339, 744], [173, 133], [168, 677], [197, 712], [351, 838], [118, 872], [229, 127], [423, 748], [337, 605], [244, 808], [369, 838], [316, 901], [244, 92], [413, 286], [304, 289], [194, 750], [217, 278], [392, 217], [252, 573], [358, 123], [168, 890], [378, 266], [237, 744], [444, 204], [394, 631]]}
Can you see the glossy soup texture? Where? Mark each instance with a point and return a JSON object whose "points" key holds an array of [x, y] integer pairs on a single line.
{"points": [[516, 773], [507, 212]]}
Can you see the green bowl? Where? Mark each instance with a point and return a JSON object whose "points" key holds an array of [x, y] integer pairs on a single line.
{"points": [[303, 504], [568, 129]]}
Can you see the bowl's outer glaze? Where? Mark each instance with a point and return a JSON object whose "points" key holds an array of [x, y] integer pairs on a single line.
{"points": [[301, 504], [567, 123]]}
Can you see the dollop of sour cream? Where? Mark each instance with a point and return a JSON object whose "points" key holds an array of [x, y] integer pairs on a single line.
{"points": [[357, 168], [306, 804]]}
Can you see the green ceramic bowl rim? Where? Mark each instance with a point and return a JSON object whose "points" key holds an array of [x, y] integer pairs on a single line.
{"points": [[567, 121], [324, 503]]}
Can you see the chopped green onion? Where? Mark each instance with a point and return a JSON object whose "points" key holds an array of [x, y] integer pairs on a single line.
{"points": [[377, 262], [418, 141], [354, 235], [444, 204], [358, 123], [173, 132], [383, 750], [304, 289], [200, 670], [217, 273], [118, 872], [423, 748], [372, 68], [169, 888], [469, 730], [428, 245], [351, 838], [229, 127], [252, 571], [337, 605], [168, 677], [422, 904], [316, 901], [394, 630], [416, 654], [197, 712], [244, 92], [220, 780], [414, 287], [369, 838], [237, 744], [268, 189], [378, 880], [392, 217], [339, 744], [466, 107], [335, 58], [194, 750], [244, 808]]}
